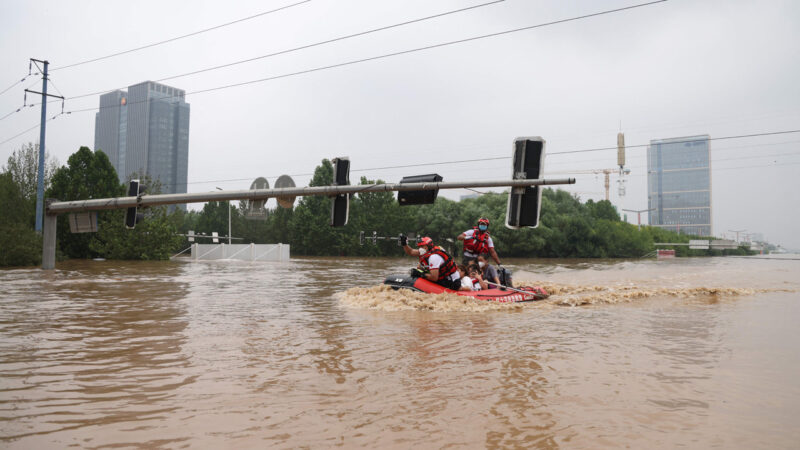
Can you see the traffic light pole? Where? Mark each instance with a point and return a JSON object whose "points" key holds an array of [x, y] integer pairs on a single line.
{"points": [[54, 207]]}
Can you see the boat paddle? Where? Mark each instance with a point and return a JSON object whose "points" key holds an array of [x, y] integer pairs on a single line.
{"points": [[514, 289]]}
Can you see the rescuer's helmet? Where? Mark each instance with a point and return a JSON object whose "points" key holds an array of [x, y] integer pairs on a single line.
{"points": [[425, 241]]}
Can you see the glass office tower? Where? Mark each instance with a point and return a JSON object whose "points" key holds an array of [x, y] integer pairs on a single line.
{"points": [[110, 129], [145, 131], [679, 184]]}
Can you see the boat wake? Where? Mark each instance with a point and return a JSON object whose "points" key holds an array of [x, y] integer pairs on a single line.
{"points": [[572, 295], [384, 298]]}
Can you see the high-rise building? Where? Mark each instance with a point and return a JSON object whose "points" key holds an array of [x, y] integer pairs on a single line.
{"points": [[679, 184], [145, 131], [110, 129]]}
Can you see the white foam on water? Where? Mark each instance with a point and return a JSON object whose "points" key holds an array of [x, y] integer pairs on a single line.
{"points": [[384, 298]]}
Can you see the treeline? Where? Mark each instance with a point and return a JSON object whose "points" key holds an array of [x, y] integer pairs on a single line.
{"points": [[87, 175], [568, 228]]}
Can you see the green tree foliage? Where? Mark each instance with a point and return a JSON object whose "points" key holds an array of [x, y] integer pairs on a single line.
{"points": [[19, 244], [567, 227], [91, 175], [310, 232], [154, 238], [23, 166], [87, 175], [214, 217]]}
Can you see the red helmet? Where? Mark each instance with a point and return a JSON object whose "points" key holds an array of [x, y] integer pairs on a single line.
{"points": [[425, 241], [483, 220]]}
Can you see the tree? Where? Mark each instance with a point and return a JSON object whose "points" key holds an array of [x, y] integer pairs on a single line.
{"points": [[310, 230], [87, 175], [154, 238], [23, 165], [213, 217], [19, 244], [602, 210], [91, 175]]}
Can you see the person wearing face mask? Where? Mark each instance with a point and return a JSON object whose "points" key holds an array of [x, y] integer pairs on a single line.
{"points": [[478, 242], [434, 263], [488, 271]]}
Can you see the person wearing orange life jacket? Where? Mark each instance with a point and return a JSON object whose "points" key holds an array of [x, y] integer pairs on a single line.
{"points": [[477, 241], [434, 263]]}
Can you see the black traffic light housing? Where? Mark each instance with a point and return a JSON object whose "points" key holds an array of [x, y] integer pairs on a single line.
{"points": [[419, 197], [524, 203], [132, 217], [340, 203]]}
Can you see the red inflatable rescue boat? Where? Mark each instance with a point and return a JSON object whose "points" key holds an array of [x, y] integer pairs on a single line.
{"points": [[503, 295]]}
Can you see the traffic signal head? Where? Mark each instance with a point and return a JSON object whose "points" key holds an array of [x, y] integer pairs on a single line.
{"points": [[132, 217], [419, 197], [524, 203], [340, 203]]}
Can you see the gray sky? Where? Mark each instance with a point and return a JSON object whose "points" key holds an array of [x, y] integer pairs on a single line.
{"points": [[679, 68]]}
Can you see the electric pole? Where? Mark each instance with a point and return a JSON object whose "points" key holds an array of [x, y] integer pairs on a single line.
{"points": [[40, 182]]}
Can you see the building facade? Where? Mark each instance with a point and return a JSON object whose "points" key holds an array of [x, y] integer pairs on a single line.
{"points": [[679, 184], [145, 131]]}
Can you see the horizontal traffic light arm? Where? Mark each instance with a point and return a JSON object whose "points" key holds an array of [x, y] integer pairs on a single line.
{"points": [[57, 207]]}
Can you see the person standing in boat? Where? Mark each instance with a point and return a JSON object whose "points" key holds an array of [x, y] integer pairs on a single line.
{"points": [[434, 263], [478, 242]]}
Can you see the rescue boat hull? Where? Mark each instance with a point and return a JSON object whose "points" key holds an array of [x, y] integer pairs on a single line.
{"points": [[522, 294]]}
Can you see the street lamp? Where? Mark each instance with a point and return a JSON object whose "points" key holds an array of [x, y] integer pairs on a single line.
{"points": [[737, 234], [229, 218], [639, 214]]}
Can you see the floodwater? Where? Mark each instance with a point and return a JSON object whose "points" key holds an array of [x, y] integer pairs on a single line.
{"points": [[697, 353]]}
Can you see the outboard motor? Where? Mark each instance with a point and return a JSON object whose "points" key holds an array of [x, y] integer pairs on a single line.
{"points": [[398, 281], [505, 276]]}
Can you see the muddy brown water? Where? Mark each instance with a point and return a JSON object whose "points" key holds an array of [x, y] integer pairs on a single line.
{"points": [[696, 353]]}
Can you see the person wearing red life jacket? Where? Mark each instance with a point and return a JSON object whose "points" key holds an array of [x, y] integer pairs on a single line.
{"points": [[434, 263], [477, 241]]}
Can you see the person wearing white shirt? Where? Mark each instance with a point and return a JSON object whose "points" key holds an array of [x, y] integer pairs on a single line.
{"points": [[478, 242], [437, 266]]}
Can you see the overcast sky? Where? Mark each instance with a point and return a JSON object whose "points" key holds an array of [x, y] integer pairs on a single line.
{"points": [[678, 68]]}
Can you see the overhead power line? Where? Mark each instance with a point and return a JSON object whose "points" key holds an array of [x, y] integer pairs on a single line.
{"points": [[15, 111], [598, 172], [679, 142], [304, 47], [461, 161], [389, 55], [429, 47], [179, 37], [21, 133], [14, 84], [34, 127]]}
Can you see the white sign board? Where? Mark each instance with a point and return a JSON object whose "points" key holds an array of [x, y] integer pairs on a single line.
{"points": [[698, 244], [83, 222], [720, 244]]}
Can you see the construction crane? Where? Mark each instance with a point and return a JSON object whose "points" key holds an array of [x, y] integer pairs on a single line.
{"points": [[607, 173], [622, 171]]}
